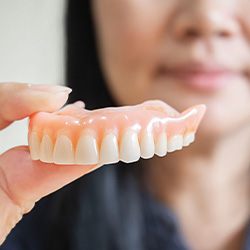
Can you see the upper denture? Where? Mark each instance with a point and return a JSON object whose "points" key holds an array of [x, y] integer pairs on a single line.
{"points": [[75, 135]]}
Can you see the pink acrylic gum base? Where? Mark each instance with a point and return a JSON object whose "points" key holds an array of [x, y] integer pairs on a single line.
{"points": [[72, 121]]}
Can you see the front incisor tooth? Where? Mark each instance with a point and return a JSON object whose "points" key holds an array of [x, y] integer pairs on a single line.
{"points": [[175, 143], [46, 149], [161, 145], [129, 147], [34, 146], [147, 145], [109, 152], [86, 150], [63, 151], [188, 139]]}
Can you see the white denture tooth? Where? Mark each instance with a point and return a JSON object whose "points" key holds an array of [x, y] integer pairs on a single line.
{"points": [[63, 151], [34, 146], [188, 139], [46, 149], [175, 143], [161, 146], [109, 152], [87, 152], [147, 145], [129, 147]]}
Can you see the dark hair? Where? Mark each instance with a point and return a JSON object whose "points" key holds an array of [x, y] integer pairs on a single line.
{"points": [[101, 210], [84, 73]]}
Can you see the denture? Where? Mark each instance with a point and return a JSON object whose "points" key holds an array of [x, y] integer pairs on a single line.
{"points": [[75, 135]]}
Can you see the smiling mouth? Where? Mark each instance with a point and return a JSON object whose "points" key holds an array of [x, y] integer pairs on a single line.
{"points": [[202, 77]]}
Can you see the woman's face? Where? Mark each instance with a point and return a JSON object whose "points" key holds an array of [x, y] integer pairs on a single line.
{"points": [[184, 52]]}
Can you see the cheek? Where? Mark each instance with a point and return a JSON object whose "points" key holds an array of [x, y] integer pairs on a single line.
{"points": [[227, 111], [127, 43], [126, 21], [119, 28], [128, 35]]}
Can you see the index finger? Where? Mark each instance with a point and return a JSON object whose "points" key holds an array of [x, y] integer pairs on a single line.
{"points": [[19, 100]]}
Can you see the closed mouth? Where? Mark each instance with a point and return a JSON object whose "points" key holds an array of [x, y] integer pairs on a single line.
{"points": [[205, 77]]}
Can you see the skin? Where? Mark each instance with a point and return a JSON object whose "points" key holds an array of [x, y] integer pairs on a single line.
{"points": [[207, 184]]}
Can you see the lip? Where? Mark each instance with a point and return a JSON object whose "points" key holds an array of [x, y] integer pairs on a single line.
{"points": [[202, 77]]}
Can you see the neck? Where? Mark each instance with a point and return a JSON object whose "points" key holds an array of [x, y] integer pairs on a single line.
{"points": [[207, 185]]}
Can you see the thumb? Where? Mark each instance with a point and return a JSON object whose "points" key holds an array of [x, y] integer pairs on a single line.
{"points": [[27, 181]]}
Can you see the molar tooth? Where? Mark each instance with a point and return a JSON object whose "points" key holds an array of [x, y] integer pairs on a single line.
{"points": [[129, 147], [188, 139], [147, 145], [63, 151], [175, 143], [46, 149], [109, 152], [86, 150], [161, 145], [34, 146]]}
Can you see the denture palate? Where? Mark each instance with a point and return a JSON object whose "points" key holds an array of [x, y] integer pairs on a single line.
{"points": [[75, 135]]}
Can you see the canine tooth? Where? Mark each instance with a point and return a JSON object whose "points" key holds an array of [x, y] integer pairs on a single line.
{"points": [[63, 151], [175, 143], [161, 145], [46, 149], [109, 152], [34, 146], [188, 139], [87, 150], [129, 147], [147, 145]]}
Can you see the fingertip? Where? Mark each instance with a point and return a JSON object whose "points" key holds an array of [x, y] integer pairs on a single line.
{"points": [[20, 100], [49, 88], [53, 102]]}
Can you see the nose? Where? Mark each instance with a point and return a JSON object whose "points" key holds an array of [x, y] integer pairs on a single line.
{"points": [[199, 21]]}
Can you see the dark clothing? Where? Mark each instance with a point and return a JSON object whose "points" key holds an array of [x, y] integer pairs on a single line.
{"points": [[35, 231]]}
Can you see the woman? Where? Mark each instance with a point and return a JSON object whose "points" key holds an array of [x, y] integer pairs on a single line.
{"points": [[185, 53]]}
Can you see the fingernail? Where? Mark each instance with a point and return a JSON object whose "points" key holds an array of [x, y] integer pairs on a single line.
{"points": [[49, 88]]}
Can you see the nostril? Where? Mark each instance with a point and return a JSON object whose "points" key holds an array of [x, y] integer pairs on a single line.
{"points": [[205, 24], [191, 33], [224, 34]]}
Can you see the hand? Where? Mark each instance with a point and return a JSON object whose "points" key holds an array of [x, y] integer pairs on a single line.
{"points": [[23, 181]]}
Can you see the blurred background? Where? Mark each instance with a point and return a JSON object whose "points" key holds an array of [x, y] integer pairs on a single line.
{"points": [[31, 50]]}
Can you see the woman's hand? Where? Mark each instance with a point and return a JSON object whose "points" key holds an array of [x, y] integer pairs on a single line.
{"points": [[23, 181]]}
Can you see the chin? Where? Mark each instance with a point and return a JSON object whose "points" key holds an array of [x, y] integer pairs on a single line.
{"points": [[216, 125], [214, 129]]}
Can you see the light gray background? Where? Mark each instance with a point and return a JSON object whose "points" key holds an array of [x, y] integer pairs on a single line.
{"points": [[31, 50]]}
